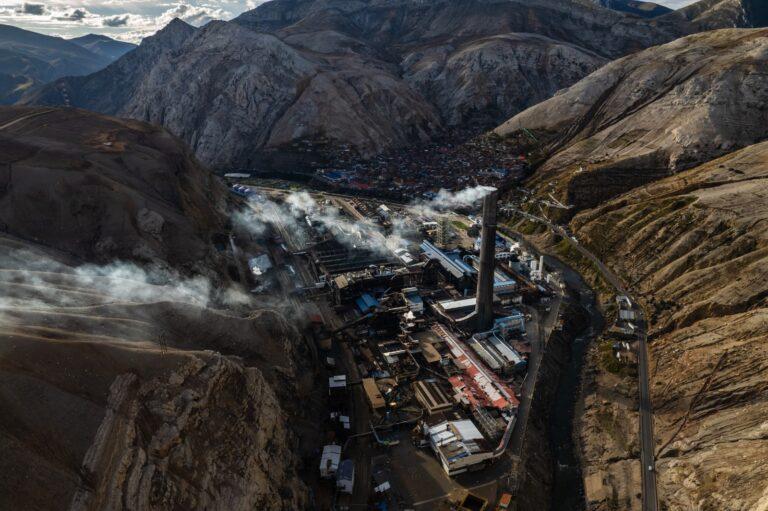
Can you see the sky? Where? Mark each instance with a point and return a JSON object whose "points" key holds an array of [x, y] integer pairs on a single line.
{"points": [[131, 20]]}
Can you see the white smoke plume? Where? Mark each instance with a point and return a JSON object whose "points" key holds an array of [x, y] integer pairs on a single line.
{"points": [[446, 200], [296, 207], [33, 281]]}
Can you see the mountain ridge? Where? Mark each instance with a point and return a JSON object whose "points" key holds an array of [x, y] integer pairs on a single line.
{"points": [[446, 64]]}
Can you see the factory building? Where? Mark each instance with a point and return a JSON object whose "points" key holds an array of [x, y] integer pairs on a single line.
{"points": [[459, 445], [373, 394]]}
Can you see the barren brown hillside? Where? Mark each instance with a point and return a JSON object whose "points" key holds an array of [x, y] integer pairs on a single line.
{"points": [[123, 383], [696, 246]]}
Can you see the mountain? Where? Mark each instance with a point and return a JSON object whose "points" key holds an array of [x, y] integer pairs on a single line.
{"points": [[28, 59], [695, 247], [305, 77], [714, 14], [103, 45], [642, 9], [648, 115], [663, 155], [134, 374]]}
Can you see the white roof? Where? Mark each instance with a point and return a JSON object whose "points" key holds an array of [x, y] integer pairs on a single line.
{"points": [[627, 314], [329, 462], [467, 430], [448, 305], [338, 381]]}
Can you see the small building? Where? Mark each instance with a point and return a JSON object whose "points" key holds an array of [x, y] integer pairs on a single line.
{"points": [[373, 394], [345, 476], [329, 462], [431, 397], [514, 321], [260, 265], [413, 300], [366, 303], [384, 212], [337, 383], [627, 315]]}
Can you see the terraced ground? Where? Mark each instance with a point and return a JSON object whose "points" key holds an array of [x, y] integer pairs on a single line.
{"points": [[696, 246]]}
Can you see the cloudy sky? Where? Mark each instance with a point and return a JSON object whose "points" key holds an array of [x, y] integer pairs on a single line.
{"points": [[130, 20], [127, 20]]}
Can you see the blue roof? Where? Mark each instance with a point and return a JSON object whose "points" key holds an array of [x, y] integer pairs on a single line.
{"points": [[366, 302]]}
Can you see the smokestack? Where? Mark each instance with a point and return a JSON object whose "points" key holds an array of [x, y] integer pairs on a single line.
{"points": [[484, 307]]}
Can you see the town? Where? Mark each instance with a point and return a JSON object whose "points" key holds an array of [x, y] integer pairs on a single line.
{"points": [[427, 325]]}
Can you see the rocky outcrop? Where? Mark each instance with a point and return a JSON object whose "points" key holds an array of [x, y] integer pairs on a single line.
{"points": [[694, 245], [516, 69], [114, 405], [645, 116], [220, 425], [309, 76]]}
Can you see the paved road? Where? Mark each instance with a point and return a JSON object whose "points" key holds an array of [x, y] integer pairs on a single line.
{"points": [[647, 443]]}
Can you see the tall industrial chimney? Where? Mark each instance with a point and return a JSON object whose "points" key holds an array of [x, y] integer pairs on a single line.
{"points": [[484, 308]]}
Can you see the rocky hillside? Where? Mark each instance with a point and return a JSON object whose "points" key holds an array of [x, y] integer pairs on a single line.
{"points": [[134, 373], [368, 76], [695, 246], [29, 59], [714, 14], [649, 115], [100, 188]]}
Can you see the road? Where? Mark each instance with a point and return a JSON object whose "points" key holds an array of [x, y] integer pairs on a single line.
{"points": [[25, 117], [647, 442]]}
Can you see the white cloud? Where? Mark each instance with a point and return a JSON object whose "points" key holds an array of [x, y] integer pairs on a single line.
{"points": [[129, 20]]}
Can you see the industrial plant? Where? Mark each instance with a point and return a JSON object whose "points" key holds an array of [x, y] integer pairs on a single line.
{"points": [[423, 320]]}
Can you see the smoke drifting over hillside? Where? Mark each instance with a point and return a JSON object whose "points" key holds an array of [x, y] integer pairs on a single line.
{"points": [[299, 207], [32, 281]]}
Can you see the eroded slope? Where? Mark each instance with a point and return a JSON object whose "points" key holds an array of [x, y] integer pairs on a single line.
{"points": [[696, 246]]}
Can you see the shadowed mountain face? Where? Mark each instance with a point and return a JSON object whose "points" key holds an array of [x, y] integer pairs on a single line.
{"points": [[133, 191], [103, 45], [28, 59], [714, 14], [133, 374], [363, 75], [642, 9]]}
